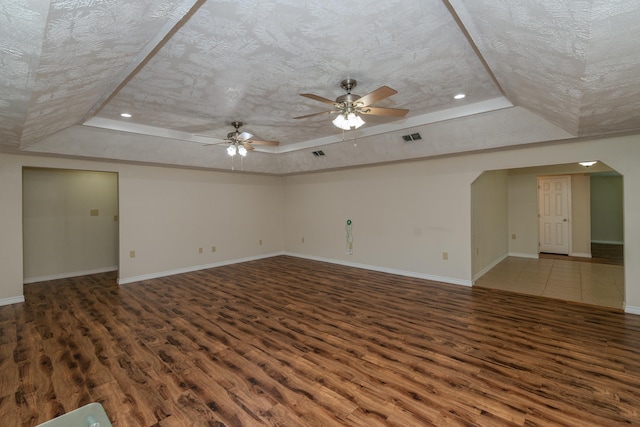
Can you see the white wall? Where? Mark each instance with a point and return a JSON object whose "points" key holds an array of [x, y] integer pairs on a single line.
{"points": [[61, 238]]}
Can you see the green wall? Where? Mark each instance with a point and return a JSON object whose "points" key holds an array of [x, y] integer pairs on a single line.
{"points": [[606, 208]]}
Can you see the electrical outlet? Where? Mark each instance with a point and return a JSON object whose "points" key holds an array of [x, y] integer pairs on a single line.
{"points": [[199, 250], [213, 248], [132, 254], [513, 237], [445, 255], [303, 240], [260, 242], [94, 212], [115, 218]]}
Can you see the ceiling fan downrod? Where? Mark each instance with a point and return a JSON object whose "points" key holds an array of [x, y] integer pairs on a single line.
{"points": [[348, 100]]}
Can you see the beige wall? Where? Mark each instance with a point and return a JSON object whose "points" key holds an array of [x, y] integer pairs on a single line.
{"points": [[523, 214], [489, 219], [405, 215], [61, 238], [523, 210], [10, 230], [580, 215], [167, 214]]}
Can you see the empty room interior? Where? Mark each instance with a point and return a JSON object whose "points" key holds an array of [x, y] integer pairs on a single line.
{"points": [[416, 213]]}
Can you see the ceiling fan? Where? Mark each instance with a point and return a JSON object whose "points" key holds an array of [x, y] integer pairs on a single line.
{"points": [[348, 107], [242, 142]]}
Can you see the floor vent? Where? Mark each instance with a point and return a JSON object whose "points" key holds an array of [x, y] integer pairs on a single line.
{"points": [[318, 153], [411, 137]]}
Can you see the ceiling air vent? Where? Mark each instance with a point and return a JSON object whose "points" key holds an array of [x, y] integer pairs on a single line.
{"points": [[318, 153], [411, 137]]}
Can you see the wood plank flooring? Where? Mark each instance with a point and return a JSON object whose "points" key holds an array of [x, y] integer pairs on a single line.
{"points": [[291, 342]]}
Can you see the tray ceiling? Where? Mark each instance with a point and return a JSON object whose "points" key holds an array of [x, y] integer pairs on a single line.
{"points": [[531, 72]]}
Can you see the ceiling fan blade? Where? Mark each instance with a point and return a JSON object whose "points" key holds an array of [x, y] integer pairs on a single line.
{"points": [[248, 146], [315, 114], [211, 144], [213, 139], [375, 96], [244, 136], [378, 111], [270, 143], [318, 98], [204, 144]]}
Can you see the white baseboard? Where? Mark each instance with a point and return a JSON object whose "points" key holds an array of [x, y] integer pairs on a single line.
{"points": [[489, 267], [125, 280], [67, 275], [631, 309], [451, 280], [580, 254], [519, 255], [12, 300]]}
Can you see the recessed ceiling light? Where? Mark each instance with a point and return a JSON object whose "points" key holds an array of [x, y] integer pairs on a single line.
{"points": [[127, 115], [459, 96], [587, 164]]}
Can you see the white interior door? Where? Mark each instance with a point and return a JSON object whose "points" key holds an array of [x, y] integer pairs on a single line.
{"points": [[554, 210]]}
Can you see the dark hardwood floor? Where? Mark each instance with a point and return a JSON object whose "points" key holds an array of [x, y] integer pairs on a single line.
{"points": [[607, 251], [291, 342], [601, 253]]}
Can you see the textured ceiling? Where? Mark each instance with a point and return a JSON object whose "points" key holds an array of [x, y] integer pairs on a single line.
{"points": [[532, 72]]}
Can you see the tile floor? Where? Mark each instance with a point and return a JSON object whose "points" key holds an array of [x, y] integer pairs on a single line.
{"points": [[587, 282]]}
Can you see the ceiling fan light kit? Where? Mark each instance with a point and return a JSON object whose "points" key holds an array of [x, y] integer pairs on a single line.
{"points": [[350, 106], [242, 142], [234, 149], [348, 121]]}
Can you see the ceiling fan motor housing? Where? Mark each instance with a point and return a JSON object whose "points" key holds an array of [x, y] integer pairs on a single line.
{"points": [[349, 104], [349, 97], [236, 125]]}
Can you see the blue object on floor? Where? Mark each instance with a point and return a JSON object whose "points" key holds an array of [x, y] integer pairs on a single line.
{"points": [[91, 415]]}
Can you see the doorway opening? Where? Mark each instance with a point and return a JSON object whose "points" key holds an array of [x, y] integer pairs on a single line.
{"points": [[506, 235], [70, 223]]}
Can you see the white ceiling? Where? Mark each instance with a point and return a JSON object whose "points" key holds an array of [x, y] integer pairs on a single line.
{"points": [[532, 71]]}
